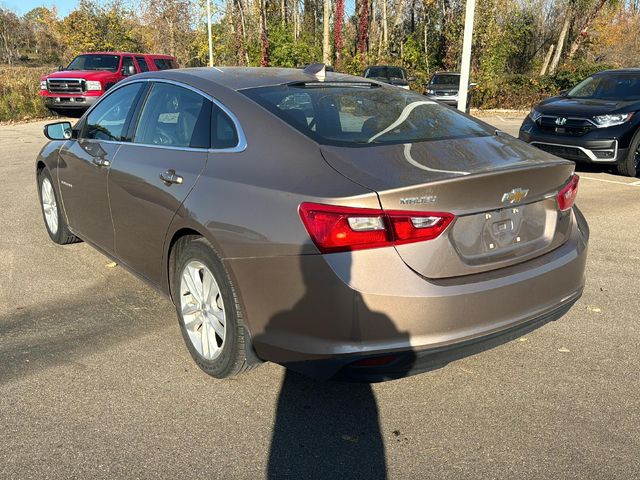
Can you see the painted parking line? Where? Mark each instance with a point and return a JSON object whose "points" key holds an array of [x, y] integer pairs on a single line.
{"points": [[634, 184]]}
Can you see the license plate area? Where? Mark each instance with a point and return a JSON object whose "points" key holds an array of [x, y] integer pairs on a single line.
{"points": [[506, 233]]}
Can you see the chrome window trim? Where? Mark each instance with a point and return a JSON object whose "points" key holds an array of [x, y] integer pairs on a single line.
{"points": [[242, 139], [589, 153]]}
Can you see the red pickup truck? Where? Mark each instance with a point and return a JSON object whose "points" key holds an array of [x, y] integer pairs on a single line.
{"points": [[89, 75]]}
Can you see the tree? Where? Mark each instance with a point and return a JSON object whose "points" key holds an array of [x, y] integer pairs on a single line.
{"points": [[338, 21], [326, 39]]}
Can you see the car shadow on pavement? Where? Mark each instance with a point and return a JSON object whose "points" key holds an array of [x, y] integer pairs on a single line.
{"points": [[37, 337], [328, 429]]}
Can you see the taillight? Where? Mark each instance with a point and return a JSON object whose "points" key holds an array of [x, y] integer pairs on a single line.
{"points": [[336, 229], [567, 196]]}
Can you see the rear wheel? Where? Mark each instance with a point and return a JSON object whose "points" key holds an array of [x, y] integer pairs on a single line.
{"points": [[51, 212], [208, 310], [630, 165]]}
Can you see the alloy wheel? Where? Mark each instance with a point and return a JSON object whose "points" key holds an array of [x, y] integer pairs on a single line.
{"points": [[49, 206], [202, 309]]}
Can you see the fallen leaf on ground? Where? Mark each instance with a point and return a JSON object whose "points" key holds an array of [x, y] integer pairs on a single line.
{"points": [[111, 265], [563, 350], [522, 339]]}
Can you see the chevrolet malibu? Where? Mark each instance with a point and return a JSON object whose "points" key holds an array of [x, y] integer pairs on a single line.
{"points": [[332, 224]]}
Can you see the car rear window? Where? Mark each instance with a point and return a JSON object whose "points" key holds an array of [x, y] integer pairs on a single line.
{"points": [[362, 114], [385, 72], [445, 80]]}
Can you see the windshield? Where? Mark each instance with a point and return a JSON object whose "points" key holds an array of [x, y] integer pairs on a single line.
{"points": [[608, 87], [95, 62], [445, 80], [362, 114], [385, 72]]}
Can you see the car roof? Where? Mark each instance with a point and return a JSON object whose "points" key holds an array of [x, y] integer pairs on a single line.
{"points": [[619, 70], [239, 78], [127, 53], [386, 66]]}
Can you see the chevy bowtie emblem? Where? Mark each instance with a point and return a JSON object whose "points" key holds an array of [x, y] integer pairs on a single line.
{"points": [[515, 196], [561, 121]]}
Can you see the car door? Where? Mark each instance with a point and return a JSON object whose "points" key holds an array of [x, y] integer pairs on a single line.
{"points": [[85, 163], [156, 171]]}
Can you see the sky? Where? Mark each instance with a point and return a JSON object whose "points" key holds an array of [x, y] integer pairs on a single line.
{"points": [[65, 6], [23, 6]]}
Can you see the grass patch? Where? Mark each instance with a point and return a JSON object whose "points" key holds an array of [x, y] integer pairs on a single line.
{"points": [[19, 99]]}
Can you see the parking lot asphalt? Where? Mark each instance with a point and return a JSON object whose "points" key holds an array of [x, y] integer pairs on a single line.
{"points": [[95, 381]]}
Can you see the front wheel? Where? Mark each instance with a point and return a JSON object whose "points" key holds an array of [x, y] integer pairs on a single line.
{"points": [[54, 220], [630, 165], [208, 310]]}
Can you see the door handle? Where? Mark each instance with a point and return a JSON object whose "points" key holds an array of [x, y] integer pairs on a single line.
{"points": [[101, 161], [169, 177]]}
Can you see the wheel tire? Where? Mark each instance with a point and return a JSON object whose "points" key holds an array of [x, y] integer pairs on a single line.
{"points": [[629, 165], [235, 354], [58, 232]]}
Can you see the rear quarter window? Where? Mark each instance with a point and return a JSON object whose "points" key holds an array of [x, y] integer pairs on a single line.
{"points": [[164, 63], [143, 64]]}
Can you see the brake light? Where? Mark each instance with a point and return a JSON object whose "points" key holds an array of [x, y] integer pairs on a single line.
{"points": [[567, 196], [337, 229]]}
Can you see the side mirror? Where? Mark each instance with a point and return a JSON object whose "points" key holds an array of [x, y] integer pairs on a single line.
{"points": [[60, 68], [563, 93], [411, 79], [58, 131], [130, 70]]}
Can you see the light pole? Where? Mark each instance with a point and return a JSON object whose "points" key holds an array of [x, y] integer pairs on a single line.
{"points": [[209, 33], [466, 55]]}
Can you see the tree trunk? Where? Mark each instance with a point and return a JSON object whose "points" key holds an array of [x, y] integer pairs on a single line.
{"points": [[385, 28], [399, 13], [264, 39], [561, 39], [326, 39], [547, 59], [363, 30], [338, 21], [283, 12], [585, 28]]}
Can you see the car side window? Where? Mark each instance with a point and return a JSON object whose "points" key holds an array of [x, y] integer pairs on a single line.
{"points": [[126, 63], [107, 119], [162, 63], [142, 63], [174, 116], [224, 133]]}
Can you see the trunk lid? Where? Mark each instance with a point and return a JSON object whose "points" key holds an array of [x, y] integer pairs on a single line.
{"points": [[502, 191]]}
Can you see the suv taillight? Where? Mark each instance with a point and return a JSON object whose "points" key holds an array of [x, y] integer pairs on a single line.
{"points": [[337, 229], [567, 196]]}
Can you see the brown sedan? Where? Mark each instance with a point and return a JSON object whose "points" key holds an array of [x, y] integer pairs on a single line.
{"points": [[335, 225]]}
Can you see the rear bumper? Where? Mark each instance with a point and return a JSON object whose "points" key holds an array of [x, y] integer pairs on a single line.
{"points": [[317, 314], [70, 102], [409, 362]]}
